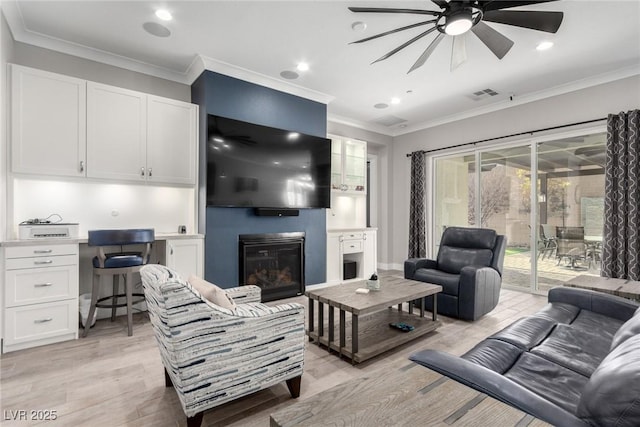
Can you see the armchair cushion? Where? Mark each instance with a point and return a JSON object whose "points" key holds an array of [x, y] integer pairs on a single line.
{"points": [[212, 293], [448, 281]]}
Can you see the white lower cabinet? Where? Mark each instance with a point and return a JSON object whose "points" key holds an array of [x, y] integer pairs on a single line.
{"points": [[40, 295], [186, 256], [357, 246]]}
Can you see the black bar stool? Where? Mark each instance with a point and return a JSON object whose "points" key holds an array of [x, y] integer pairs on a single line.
{"points": [[118, 264]]}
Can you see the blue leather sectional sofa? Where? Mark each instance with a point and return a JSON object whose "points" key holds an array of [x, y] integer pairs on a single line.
{"points": [[576, 362]]}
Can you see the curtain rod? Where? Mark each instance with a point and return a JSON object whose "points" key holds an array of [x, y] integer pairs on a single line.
{"points": [[531, 132]]}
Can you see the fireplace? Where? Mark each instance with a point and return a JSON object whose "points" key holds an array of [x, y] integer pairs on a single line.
{"points": [[274, 262]]}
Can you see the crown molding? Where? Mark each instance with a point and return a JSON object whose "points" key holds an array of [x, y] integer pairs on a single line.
{"points": [[358, 124], [262, 80], [23, 35], [562, 89]]}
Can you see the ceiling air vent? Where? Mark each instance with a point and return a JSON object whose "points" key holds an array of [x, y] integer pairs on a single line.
{"points": [[389, 120], [482, 94]]}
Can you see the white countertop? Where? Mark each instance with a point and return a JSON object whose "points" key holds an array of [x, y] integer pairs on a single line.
{"points": [[350, 230], [78, 240]]}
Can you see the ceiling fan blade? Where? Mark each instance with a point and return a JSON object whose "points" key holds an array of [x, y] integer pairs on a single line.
{"points": [[495, 41], [506, 4], [441, 3], [458, 51], [393, 10], [386, 33], [533, 19], [403, 45], [428, 51]]}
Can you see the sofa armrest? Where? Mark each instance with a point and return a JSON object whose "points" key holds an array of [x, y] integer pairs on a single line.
{"points": [[598, 302], [244, 294], [413, 264], [497, 386]]}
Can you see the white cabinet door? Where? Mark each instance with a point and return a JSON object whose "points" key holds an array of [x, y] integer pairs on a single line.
{"points": [[171, 141], [186, 256], [334, 258], [48, 119], [348, 165], [116, 133], [370, 260]]}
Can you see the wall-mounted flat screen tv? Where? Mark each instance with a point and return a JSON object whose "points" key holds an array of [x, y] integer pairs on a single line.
{"points": [[250, 165]]}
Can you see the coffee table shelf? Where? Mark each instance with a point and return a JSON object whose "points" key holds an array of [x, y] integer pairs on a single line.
{"points": [[367, 332], [375, 336]]}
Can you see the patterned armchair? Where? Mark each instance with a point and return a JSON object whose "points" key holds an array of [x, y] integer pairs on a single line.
{"points": [[213, 355]]}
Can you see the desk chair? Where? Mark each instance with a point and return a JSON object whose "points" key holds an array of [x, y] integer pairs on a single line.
{"points": [[118, 264]]}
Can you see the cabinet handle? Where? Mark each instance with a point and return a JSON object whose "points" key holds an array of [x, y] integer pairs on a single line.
{"points": [[81, 165], [43, 251], [141, 171], [48, 261], [149, 173], [171, 247], [43, 285], [45, 320]]}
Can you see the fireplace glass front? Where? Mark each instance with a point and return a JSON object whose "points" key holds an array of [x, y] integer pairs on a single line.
{"points": [[274, 262]]}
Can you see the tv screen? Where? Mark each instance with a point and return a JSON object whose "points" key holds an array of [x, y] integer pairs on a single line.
{"points": [[250, 165]]}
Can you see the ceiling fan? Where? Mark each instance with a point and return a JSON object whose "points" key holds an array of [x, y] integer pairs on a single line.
{"points": [[457, 17]]}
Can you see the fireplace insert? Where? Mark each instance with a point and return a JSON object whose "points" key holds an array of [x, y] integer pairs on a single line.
{"points": [[274, 262]]}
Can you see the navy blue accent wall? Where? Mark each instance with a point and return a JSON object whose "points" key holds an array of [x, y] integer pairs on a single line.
{"points": [[226, 96], [227, 223]]}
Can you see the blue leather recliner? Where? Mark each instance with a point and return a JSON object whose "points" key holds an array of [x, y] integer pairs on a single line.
{"points": [[469, 269]]}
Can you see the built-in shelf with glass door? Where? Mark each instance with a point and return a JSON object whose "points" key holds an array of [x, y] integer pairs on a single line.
{"points": [[348, 165]]}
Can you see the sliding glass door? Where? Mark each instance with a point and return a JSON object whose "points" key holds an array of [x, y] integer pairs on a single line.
{"points": [[570, 208], [454, 194], [505, 206], [546, 197]]}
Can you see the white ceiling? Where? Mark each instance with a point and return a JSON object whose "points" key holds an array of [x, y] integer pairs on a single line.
{"points": [[598, 41]]}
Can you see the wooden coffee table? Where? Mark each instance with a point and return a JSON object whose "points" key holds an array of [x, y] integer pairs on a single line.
{"points": [[369, 333]]}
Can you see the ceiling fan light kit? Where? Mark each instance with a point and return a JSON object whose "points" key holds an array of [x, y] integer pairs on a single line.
{"points": [[458, 22], [455, 18]]}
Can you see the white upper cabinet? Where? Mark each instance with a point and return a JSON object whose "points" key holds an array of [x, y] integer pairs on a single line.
{"points": [[48, 120], [116, 133], [348, 165], [70, 127], [171, 140]]}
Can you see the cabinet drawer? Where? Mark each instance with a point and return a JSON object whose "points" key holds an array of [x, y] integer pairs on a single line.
{"points": [[36, 285], [39, 262], [40, 321], [41, 250], [351, 246], [356, 235]]}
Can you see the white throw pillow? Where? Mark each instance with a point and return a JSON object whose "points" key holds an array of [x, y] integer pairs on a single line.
{"points": [[212, 292]]}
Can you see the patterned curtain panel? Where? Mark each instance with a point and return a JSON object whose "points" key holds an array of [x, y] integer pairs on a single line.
{"points": [[417, 206], [621, 240]]}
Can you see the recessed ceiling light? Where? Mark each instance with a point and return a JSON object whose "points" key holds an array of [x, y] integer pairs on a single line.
{"points": [[164, 14], [292, 136], [289, 75], [359, 26], [395, 100], [544, 45], [156, 29], [381, 105], [302, 66]]}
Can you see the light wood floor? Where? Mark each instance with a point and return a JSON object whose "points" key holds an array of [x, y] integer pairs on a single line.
{"points": [[109, 379]]}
